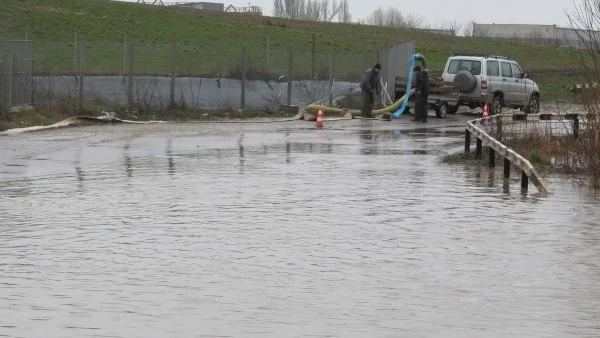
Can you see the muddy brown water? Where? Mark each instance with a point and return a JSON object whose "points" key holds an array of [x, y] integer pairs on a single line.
{"points": [[282, 230]]}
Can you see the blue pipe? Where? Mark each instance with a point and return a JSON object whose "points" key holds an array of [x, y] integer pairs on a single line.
{"points": [[413, 58]]}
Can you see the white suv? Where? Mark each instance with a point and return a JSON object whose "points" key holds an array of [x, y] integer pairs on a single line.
{"points": [[497, 80]]}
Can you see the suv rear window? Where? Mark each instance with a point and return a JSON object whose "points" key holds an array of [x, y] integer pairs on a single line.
{"points": [[472, 66]]}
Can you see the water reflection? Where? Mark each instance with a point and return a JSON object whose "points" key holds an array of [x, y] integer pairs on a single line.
{"points": [[241, 152], [368, 143], [127, 162], [171, 170], [78, 169]]}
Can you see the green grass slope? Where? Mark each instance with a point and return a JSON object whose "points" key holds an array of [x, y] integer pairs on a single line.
{"points": [[211, 43]]}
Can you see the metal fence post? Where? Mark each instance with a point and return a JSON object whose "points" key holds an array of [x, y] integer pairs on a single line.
{"points": [[267, 65], [331, 66], [130, 77], [313, 55], [130, 50], [173, 71], [244, 66], [290, 68], [11, 72], [125, 53], [75, 52], [467, 141], [81, 74]]}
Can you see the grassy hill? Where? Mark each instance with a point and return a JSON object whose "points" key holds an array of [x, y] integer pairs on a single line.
{"points": [[211, 43]]}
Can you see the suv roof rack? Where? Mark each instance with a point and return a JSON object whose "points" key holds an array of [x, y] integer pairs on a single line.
{"points": [[484, 55]]}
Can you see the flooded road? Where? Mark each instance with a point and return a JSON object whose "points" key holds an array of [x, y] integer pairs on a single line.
{"points": [[281, 230]]}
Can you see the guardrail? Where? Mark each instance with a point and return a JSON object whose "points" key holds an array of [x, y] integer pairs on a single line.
{"points": [[477, 128]]}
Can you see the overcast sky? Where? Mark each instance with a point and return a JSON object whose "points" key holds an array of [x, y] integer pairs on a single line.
{"points": [[505, 11]]}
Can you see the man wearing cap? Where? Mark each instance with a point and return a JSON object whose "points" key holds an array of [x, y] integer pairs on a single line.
{"points": [[422, 92], [369, 86]]}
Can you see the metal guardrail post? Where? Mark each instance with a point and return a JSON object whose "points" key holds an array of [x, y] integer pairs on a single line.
{"points": [[478, 148], [492, 157], [575, 118], [499, 129], [467, 141], [524, 180], [506, 168]]}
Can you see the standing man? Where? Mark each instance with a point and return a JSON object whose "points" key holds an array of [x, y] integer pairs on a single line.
{"points": [[422, 92], [369, 86]]}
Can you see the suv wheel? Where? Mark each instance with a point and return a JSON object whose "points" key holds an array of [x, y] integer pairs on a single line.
{"points": [[442, 110], [496, 107], [533, 107]]}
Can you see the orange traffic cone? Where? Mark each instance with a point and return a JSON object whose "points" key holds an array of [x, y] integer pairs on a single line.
{"points": [[320, 117], [485, 111]]}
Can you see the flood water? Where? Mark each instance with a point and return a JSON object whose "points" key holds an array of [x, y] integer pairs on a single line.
{"points": [[281, 230]]}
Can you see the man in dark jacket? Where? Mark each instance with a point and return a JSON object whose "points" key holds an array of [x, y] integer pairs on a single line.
{"points": [[369, 86], [422, 92]]}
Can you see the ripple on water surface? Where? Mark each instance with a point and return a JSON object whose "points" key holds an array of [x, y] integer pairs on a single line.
{"points": [[295, 235]]}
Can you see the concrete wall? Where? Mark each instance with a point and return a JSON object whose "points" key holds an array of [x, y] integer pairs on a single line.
{"points": [[508, 31], [544, 35]]}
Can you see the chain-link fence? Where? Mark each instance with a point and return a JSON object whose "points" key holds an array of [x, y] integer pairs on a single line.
{"points": [[16, 73], [142, 77]]}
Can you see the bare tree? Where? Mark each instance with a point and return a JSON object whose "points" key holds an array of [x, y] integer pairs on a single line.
{"points": [[278, 9], [467, 29], [376, 18], [315, 10], [344, 11], [393, 18], [412, 20], [584, 20]]}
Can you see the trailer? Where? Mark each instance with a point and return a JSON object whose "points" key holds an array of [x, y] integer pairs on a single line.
{"points": [[443, 96]]}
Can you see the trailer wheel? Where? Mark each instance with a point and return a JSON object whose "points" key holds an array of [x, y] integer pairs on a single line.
{"points": [[453, 109], [441, 110]]}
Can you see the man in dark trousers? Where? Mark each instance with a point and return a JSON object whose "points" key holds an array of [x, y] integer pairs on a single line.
{"points": [[422, 92], [369, 86]]}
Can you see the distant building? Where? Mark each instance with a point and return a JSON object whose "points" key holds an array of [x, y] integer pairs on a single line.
{"points": [[544, 35], [207, 6]]}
